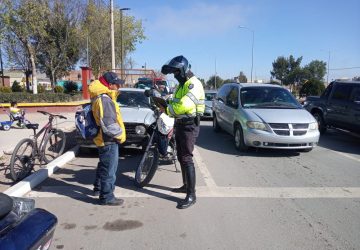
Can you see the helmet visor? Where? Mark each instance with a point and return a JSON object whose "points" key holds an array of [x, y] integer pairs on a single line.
{"points": [[166, 69]]}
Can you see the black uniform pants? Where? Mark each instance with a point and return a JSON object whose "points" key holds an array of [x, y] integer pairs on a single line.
{"points": [[185, 136]]}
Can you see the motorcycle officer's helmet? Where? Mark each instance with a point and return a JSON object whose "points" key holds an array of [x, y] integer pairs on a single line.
{"points": [[176, 64]]}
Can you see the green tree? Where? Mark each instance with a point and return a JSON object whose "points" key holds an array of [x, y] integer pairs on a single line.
{"points": [[312, 87], [228, 81], [214, 84], [24, 20], [287, 70], [59, 48], [315, 70], [97, 33], [242, 78], [16, 87], [280, 69]]}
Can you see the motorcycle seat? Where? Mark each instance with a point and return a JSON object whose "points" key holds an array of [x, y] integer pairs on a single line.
{"points": [[6, 205]]}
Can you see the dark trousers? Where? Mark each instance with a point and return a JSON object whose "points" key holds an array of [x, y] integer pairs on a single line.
{"points": [[106, 171], [185, 136]]}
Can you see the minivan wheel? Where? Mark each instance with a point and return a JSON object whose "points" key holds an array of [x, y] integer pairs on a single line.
{"points": [[320, 120], [216, 126], [239, 139]]}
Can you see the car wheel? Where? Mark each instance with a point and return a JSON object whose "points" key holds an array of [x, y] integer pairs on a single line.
{"points": [[320, 120], [216, 126], [239, 139]]}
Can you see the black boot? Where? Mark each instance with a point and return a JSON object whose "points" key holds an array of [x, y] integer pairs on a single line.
{"points": [[181, 189], [190, 198]]}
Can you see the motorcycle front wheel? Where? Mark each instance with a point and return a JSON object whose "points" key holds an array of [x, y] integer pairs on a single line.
{"points": [[147, 167]]}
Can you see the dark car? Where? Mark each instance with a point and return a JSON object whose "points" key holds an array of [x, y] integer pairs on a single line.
{"points": [[338, 106]]}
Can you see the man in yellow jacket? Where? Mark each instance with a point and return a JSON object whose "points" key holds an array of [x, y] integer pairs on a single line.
{"points": [[106, 111], [187, 105]]}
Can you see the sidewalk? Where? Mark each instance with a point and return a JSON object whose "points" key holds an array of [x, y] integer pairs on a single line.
{"points": [[9, 139]]}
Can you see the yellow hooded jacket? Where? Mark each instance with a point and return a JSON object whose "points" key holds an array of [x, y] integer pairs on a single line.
{"points": [[107, 115]]}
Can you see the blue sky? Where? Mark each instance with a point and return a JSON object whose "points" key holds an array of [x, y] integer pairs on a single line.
{"points": [[207, 31]]}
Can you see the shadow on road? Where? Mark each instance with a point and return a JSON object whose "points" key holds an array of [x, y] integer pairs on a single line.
{"points": [[223, 143], [340, 141], [76, 181]]}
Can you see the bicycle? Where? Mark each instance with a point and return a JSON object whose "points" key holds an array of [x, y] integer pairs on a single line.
{"points": [[28, 150]]}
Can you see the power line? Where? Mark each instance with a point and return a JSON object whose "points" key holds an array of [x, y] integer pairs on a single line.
{"points": [[346, 68]]}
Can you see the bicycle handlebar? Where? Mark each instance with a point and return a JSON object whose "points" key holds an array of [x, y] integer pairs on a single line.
{"points": [[49, 114]]}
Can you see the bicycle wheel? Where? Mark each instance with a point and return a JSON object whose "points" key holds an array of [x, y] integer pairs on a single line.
{"points": [[22, 159], [54, 145], [147, 167]]}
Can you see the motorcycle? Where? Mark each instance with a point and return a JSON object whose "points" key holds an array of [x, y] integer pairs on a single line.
{"points": [[161, 146], [24, 227]]}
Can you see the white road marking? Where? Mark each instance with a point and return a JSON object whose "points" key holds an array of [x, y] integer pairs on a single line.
{"points": [[219, 192], [209, 181], [346, 155]]}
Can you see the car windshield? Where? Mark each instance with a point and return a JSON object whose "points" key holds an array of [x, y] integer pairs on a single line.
{"points": [[209, 96], [267, 97], [133, 99]]}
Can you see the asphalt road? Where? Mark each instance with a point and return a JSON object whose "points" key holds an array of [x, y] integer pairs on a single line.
{"points": [[262, 199]]}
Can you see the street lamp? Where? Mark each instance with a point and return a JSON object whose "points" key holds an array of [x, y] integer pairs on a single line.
{"points": [[122, 43], [252, 49]]}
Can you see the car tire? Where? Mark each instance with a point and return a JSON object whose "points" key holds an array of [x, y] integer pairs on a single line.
{"points": [[321, 123], [239, 139], [216, 126]]}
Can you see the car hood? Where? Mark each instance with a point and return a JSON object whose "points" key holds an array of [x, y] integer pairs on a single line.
{"points": [[282, 115], [137, 115]]}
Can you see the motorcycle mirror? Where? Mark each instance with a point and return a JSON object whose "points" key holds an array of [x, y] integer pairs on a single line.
{"points": [[147, 93]]}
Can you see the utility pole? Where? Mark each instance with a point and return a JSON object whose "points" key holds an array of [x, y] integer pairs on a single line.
{"points": [[2, 69], [122, 42], [328, 65], [215, 73], [112, 36]]}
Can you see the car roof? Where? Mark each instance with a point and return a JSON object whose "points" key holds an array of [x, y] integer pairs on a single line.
{"points": [[346, 82], [253, 84], [132, 89]]}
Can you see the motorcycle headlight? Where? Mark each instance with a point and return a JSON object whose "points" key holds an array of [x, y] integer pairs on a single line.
{"points": [[256, 125], [140, 130], [313, 126]]}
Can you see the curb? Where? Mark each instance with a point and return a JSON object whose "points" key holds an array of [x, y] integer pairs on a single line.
{"points": [[39, 176]]}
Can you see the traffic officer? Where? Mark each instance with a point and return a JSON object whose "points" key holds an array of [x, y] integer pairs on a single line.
{"points": [[186, 107]]}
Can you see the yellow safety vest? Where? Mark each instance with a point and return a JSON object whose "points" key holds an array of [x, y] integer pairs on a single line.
{"points": [[188, 100]]}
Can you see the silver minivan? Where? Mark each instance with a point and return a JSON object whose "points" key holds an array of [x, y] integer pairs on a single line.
{"points": [[264, 116]]}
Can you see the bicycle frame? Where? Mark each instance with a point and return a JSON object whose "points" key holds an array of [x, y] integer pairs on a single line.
{"points": [[44, 130]]}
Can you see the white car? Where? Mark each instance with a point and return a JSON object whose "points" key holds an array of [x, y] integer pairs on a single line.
{"points": [[264, 116], [137, 115]]}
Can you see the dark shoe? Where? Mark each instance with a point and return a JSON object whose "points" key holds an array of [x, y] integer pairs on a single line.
{"points": [[113, 202], [181, 189], [96, 193], [188, 202]]}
